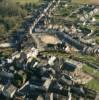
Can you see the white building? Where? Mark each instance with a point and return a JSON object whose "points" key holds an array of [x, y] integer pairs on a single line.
{"points": [[32, 53], [86, 16], [91, 13], [1, 87], [51, 60], [82, 18], [95, 10], [93, 20]]}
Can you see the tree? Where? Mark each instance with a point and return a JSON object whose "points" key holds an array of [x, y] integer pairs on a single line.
{"points": [[2, 30], [9, 22], [10, 8]]}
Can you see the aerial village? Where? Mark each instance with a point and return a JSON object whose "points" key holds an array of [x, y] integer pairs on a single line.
{"points": [[60, 59]]}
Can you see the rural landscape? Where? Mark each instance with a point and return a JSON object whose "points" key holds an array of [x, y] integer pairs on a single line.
{"points": [[49, 49]]}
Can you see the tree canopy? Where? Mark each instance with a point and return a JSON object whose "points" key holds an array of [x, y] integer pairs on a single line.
{"points": [[10, 8]]}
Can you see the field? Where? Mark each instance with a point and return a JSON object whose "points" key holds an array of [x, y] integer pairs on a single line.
{"points": [[86, 1], [28, 1]]}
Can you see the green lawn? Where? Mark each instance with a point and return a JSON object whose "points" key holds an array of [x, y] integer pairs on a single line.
{"points": [[97, 39], [91, 59], [97, 20], [28, 1], [88, 69], [97, 17], [86, 1], [97, 74], [93, 84], [80, 1], [55, 53]]}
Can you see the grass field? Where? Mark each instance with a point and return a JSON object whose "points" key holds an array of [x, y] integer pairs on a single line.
{"points": [[88, 69], [28, 1], [86, 1], [93, 84]]}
